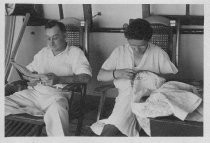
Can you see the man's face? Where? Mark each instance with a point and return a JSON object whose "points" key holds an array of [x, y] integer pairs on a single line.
{"points": [[55, 38]]}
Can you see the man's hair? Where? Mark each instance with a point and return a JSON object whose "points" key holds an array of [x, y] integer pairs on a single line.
{"points": [[139, 29], [53, 23]]}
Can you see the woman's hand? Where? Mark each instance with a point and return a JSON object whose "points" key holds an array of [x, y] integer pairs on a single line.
{"points": [[50, 79], [125, 73], [138, 71]]}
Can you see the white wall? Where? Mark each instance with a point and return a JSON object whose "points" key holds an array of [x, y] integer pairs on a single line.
{"points": [[115, 15], [191, 56], [167, 9], [196, 9], [51, 11], [176, 9], [73, 10]]}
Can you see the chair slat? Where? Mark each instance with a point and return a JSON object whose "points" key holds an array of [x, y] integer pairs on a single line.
{"points": [[8, 123], [15, 129], [26, 118], [21, 129], [10, 128], [35, 131], [27, 128]]}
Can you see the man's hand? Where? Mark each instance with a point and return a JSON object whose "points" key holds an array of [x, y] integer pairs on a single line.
{"points": [[125, 73], [50, 79], [32, 81]]}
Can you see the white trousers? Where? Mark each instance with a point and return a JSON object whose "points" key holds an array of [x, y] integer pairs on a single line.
{"points": [[54, 107]]}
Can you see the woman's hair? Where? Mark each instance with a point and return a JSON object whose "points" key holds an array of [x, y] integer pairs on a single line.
{"points": [[138, 29], [53, 23]]}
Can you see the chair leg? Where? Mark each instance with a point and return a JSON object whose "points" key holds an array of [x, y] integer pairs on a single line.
{"points": [[101, 104], [80, 119], [35, 131], [79, 126]]}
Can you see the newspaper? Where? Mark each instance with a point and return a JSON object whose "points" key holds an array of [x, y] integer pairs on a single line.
{"points": [[37, 77], [26, 72]]}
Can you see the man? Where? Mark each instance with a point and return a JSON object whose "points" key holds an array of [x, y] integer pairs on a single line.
{"points": [[60, 64]]}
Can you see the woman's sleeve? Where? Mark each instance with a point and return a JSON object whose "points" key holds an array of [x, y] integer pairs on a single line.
{"points": [[165, 64], [111, 61]]}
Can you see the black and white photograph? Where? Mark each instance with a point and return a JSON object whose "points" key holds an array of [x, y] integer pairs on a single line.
{"points": [[104, 72]]}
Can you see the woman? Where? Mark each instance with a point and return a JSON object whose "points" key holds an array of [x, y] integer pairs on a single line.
{"points": [[122, 65]]}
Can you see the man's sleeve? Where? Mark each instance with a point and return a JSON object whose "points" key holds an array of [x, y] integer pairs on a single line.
{"points": [[81, 64], [165, 64]]}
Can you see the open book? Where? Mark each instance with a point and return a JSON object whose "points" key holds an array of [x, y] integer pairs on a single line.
{"points": [[25, 71]]}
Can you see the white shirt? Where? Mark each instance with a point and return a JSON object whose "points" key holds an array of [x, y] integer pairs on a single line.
{"points": [[70, 61]]}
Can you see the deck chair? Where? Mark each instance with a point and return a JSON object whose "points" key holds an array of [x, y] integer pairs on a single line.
{"points": [[162, 37], [28, 125]]}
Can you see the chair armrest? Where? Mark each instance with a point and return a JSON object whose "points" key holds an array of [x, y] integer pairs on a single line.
{"points": [[104, 88], [196, 83], [24, 117], [74, 86], [15, 86]]}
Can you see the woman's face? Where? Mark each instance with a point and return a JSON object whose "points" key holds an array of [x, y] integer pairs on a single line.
{"points": [[140, 44]]}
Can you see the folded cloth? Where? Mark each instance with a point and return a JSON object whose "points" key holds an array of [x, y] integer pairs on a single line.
{"points": [[181, 97], [170, 98], [144, 83]]}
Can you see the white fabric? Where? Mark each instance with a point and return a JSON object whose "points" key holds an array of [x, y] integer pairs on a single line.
{"points": [[144, 83], [172, 98], [154, 60], [51, 102]]}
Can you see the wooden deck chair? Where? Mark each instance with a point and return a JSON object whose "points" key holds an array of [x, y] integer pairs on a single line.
{"points": [[28, 125]]}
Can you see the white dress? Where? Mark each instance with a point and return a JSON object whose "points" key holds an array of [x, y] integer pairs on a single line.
{"points": [[51, 102], [154, 59]]}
